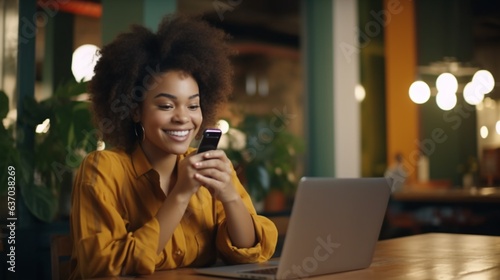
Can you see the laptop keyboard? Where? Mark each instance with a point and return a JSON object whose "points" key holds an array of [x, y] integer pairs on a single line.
{"points": [[269, 270]]}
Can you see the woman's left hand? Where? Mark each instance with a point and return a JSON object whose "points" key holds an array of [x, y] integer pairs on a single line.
{"points": [[215, 173]]}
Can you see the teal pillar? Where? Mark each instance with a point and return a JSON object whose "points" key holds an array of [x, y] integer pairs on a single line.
{"points": [[26, 242], [331, 59], [118, 16], [318, 60], [26, 79], [444, 30], [26, 58]]}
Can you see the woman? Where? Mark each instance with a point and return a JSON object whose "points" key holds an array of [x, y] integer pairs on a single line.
{"points": [[151, 202]]}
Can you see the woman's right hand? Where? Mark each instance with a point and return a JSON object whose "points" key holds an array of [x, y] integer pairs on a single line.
{"points": [[174, 207], [186, 184]]}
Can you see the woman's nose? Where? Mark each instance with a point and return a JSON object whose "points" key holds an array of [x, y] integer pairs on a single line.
{"points": [[181, 116]]}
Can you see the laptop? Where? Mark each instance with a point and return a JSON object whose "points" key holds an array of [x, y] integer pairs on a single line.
{"points": [[334, 227]]}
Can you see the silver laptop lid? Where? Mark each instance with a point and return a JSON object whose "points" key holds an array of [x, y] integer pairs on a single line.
{"points": [[334, 226]]}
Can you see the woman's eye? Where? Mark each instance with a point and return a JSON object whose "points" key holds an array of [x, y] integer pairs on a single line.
{"points": [[165, 106], [194, 107]]}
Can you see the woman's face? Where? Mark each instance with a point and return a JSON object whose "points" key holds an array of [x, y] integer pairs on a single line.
{"points": [[171, 114]]}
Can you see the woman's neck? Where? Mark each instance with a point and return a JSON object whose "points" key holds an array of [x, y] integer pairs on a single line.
{"points": [[163, 163]]}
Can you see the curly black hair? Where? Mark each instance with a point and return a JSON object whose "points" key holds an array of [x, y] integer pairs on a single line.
{"points": [[183, 43]]}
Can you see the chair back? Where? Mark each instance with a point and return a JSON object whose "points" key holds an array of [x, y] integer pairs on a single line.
{"points": [[60, 251]]}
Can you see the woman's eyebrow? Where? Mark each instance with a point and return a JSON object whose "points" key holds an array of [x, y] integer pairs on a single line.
{"points": [[171, 96], [167, 95]]}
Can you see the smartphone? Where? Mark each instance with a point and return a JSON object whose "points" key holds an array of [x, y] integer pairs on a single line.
{"points": [[209, 140]]}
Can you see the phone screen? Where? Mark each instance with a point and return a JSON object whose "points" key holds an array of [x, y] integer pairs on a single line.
{"points": [[209, 140]]}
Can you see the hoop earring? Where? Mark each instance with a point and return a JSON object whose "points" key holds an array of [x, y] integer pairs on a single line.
{"points": [[137, 134]]}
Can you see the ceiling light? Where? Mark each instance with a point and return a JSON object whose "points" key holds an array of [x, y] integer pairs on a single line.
{"points": [[419, 92], [85, 58], [446, 100], [472, 95], [484, 81], [446, 82]]}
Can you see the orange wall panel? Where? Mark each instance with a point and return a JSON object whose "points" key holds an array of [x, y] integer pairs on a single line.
{"points": [[401, 64]]}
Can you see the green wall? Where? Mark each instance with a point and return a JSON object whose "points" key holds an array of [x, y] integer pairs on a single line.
{"points": [[119, 15], [372, 77], [444, 30]]}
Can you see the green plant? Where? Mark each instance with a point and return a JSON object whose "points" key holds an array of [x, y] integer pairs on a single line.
{"points": [[56, 152], [9, 155], [270, 157]]}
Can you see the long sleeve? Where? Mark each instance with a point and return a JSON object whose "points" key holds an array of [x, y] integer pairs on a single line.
{"points": [[265, 232], [103, 245]]}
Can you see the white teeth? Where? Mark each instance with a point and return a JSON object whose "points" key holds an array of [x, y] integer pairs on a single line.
{"points": [[178, 133]]}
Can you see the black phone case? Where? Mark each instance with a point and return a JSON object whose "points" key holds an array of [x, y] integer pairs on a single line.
{"points": [[210, 140]]}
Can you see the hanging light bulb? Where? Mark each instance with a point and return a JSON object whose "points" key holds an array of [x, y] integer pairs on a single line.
{"points": [[446, 82], [419, 92], [446, 100], [484, 81], [472, 94]]}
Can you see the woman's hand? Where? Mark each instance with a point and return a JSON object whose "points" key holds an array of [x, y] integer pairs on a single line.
{"points": [[187, 183], [214, 171]]}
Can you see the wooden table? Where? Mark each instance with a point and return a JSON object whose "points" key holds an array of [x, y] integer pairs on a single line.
{"points": [[424, 256]]}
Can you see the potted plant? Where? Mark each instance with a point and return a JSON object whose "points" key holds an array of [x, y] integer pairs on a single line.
{"points": [[63, 134], [268, 160]]}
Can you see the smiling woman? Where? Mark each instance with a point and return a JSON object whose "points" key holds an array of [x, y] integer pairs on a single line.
{"points": [[151, 202], [169, 116], [121, 79]]}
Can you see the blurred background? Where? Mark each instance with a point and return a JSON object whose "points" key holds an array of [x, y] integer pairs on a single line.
{"points": [[322, 88]]}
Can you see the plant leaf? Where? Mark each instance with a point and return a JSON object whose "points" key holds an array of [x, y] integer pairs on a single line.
{"points": [[41, 201], [34, 113]]}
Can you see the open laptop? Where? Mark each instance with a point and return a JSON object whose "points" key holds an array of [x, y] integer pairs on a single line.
{"points": [[334, 227]]}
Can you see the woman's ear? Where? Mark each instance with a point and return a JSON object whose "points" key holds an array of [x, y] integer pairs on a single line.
{"points": [[136, 114]]}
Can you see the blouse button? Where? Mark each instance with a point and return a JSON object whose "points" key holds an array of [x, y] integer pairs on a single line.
{"points": [[178, 252]]}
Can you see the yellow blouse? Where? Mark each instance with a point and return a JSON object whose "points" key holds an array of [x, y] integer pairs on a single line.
{"points": [[115, 199]]}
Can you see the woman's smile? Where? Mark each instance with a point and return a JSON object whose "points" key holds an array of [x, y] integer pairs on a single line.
{"points": [[178, 135]]}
